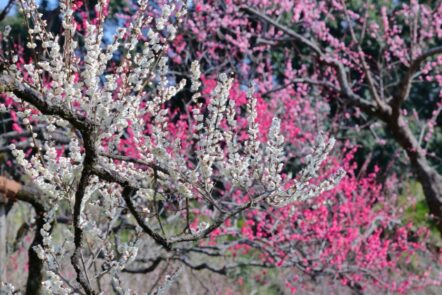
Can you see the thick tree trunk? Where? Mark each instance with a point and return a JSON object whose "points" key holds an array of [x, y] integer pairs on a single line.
{"points": [[432, 185], [35, 273], [10, 189], [430, 180]]}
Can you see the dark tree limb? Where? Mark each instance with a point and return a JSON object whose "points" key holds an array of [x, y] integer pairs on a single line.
{"points": [[288, 31], [195, 266], [89, 161], [404, 85], [154, 264], [6, 10], [30, 195], [33, 97], [128, 192]]}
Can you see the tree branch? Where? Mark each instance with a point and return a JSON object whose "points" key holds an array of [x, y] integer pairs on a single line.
{"points": [[6, 10], [340, 69], [29, 95], [128, 192], [29, 194], [88, 163], [368, 75], [150, 268], [286, 30], [404, 85]]}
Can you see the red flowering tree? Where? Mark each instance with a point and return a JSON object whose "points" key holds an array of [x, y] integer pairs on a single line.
{"points": [[375, 63]]}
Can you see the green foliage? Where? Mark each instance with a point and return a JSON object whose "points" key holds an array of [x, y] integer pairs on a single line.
{"points": [[418, 213], [253, 283]]}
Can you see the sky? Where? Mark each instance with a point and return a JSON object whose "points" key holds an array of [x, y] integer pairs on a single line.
{"points": [[3, 4]]}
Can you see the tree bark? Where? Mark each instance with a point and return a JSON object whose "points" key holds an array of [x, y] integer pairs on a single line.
{"points": [[429, 178], [35, 271], [432, 185], [15, 191]]}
